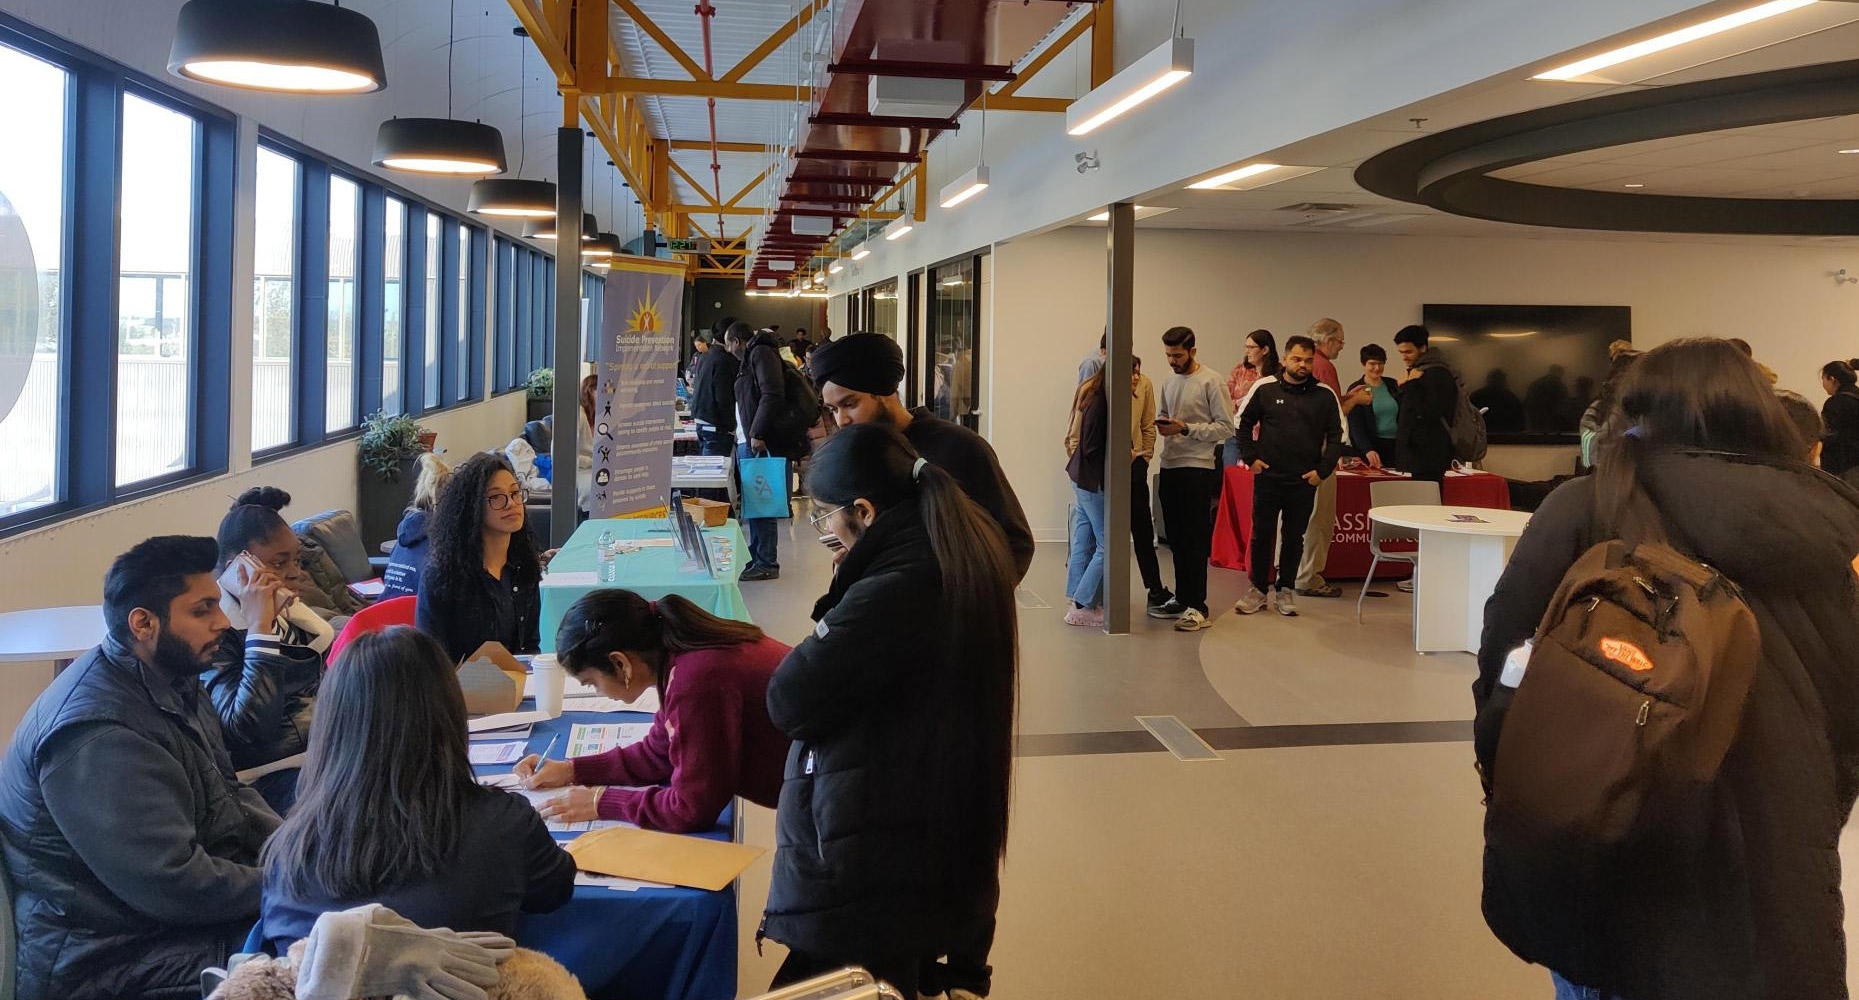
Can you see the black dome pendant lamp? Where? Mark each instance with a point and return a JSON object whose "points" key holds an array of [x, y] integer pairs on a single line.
{"points": [[545, 230], [285, 46], [445, 146], [514, 197]]}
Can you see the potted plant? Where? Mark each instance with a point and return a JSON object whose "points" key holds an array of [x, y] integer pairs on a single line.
{"points": [[389, 447], [541, 386]]}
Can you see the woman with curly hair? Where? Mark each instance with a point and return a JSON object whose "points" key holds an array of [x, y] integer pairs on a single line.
{"points": [[483, 578]]}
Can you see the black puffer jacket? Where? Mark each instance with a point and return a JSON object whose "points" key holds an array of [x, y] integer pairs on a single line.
{"points": [[862, 852], [713, 400], [130, 846], [264, 693], [1755, 913], [762, 398]]}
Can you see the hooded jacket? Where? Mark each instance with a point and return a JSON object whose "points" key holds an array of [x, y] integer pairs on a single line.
{"points": [[1755, 912], [130, 844], [408, 560], [1423, 436], [761, 397]]}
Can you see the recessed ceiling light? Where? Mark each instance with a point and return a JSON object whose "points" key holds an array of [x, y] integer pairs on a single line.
{"points": [[1251, 170], [1849, 152], [1636, 185], [1140, 212], [1672, 39]]}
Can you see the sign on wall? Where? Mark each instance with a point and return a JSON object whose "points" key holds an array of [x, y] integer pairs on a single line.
{"points": [[636, 401]]}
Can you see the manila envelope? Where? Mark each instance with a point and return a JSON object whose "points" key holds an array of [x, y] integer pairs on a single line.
{"points": [[662, 857]]}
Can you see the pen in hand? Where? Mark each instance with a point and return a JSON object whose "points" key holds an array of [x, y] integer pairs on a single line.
{"points": [[529, 769]]}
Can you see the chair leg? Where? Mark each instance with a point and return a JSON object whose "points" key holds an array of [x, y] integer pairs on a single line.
{"points": [[1365, 585]]}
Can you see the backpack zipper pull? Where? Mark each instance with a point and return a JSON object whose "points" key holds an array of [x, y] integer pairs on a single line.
{"points": [[1645, 712]]}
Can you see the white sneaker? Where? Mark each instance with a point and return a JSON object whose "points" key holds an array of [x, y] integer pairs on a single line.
{"points": [[1251, 603], [1192, 620], [1404, 586], [1283, 603]]}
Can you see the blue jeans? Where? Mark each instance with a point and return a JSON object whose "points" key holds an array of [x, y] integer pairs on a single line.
{"points": [[715, 442], [762, 538], [1084, 570], [1566, 990]]}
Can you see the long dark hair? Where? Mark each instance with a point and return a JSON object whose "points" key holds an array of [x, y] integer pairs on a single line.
{"points": [[387, 777], [1272, 365], [1841, 372], [977, 686], [1698, 394], [254, 517], [609, 621], [457, 526]]}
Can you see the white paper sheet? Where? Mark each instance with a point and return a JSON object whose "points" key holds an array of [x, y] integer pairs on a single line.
{"points": [[586, 740], [616, 883], [496, 753], [505, 720]]}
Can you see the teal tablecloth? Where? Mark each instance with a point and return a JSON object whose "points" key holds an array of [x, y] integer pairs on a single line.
{"points": [[651, 573]]}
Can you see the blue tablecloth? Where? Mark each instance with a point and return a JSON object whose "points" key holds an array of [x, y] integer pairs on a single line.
{"points": [[651, 573], [652, 944]]}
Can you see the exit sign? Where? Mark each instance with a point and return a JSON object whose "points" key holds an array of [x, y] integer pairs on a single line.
{"points": [[688, 245]]}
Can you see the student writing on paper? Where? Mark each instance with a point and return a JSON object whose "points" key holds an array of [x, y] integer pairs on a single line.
{"points": [[482, 581], [388, 810], [265, 673], [893, 813], [711, 740]]}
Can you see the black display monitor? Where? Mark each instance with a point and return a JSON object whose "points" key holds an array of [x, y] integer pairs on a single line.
{"points": [[1532, 369]]}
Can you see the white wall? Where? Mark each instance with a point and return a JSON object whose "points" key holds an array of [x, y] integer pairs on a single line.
{"points": [[1048, 302]]}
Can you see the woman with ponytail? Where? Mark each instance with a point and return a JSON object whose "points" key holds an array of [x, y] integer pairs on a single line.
{"points": [[893, 814], [711, 740], [1840, 414]]}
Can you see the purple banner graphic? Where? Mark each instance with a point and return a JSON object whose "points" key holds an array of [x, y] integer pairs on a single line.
{"points": [[636, 403]]}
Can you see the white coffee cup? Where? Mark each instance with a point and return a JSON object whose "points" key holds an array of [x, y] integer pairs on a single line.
{"points": [[549, 679]]}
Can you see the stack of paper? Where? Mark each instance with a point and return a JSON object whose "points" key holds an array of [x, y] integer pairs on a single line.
{"points": [[616, 883]]}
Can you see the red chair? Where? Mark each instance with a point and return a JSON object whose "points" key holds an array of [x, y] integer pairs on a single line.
{"points": [[374, 618]]}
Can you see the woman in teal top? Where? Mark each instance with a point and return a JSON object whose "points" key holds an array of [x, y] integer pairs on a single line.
{"points": [[1371, 427]]}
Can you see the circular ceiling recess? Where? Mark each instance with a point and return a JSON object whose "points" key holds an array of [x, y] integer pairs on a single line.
{"points": [[1452, 170]]}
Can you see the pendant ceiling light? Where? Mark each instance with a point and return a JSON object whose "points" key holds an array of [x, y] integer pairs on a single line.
{"points": [[545, 230], [600, 247], [440, 145], [291, 46], [513, 197]]}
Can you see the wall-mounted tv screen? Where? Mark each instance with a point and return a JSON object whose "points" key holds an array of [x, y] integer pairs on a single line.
{"points": [[1532, 369]]}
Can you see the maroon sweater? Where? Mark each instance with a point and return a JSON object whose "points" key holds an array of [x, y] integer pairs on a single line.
{"points": [[711, 742]]}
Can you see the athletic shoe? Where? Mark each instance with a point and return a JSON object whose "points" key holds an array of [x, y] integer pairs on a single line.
{"points": [[1251, 603], [755, 573], [1171, 609], [1327, 590], [1087, 617], [1192, 620], [1405, 586], [1159, 597], [1283, 603]]}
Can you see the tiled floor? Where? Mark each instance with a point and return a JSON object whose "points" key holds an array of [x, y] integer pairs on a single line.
{"points": [[1319, 864]]}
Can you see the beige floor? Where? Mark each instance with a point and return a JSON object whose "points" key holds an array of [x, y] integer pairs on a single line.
{"points": [[1301, 873]]}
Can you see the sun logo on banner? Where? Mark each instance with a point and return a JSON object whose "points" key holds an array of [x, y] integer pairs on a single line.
{"points": [[645, 318]]}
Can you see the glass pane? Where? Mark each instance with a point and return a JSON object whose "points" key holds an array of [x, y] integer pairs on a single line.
{"points": [[392, 306], [434, 311], [463, 390], [952, 329], [344, 209], [274, 271], [155, 335], [32, 219]]}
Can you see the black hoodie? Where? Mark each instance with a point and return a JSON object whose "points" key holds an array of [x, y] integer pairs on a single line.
{"points": [[1755, 912]]}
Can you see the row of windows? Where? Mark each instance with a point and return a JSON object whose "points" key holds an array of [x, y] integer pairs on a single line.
{"points": [[121, 219]]}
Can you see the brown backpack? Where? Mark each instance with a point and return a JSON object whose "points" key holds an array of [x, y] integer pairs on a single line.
{"points": [[1611, 744]]}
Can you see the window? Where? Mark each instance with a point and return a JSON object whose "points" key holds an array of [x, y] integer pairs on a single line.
{"points": [[434, 311], [344, 211], [393, 304], [461, 387], [954, 326], [32, 206], [274, 270], [155, 332], [503, 314]]}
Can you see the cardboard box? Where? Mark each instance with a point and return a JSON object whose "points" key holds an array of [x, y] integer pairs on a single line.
{"points": [[707, 513]]}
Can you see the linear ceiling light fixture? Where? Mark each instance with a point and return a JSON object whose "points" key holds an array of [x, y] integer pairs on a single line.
{"points": [[1242, 173], [513, 197], [286, 46], [1672, 39], [861, 253], [975, 180], [1163, 67]]}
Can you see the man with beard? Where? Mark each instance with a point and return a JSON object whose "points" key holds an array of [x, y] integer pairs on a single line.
{"points": [[131, 845], [858, 377]]}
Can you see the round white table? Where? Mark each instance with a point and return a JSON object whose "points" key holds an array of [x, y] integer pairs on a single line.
{"points": [[56, 634], [1462, 553]]}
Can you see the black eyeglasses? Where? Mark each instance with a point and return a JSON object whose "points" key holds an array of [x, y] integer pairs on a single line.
{"points": [[502, 501]]}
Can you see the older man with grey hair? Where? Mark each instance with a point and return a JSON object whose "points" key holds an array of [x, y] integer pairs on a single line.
{"points": [[1310, 582]]}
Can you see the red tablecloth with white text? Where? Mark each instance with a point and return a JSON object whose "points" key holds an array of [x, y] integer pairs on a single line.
{"points": [[1349, 554]]}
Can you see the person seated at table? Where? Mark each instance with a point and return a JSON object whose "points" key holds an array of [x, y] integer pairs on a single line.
{"points": [[265, 673], [411, 549], [1372, 427], [712, 678], [388, 810], [130, 846], [893, 817], [483, 579]]}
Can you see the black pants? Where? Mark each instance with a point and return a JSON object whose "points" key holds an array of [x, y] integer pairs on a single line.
{"points": [[1142, 526], [901, 973], [1187, 506], [1275, 496], [965, 968]]}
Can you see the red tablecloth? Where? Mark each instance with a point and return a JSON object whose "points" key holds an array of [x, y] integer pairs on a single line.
{"points": [[1349, 554]]}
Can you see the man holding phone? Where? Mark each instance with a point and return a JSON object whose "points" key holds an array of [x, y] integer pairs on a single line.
{"points": [[1194, 419]]}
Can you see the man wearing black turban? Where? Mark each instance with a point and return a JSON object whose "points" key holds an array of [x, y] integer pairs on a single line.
{"points": [[858, 377]]}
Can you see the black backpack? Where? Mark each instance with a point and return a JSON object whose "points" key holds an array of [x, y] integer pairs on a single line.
{"points": [[801, 409]]}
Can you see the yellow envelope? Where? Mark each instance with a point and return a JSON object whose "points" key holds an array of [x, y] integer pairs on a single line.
{"points": [[662, 857], [492, 680]]}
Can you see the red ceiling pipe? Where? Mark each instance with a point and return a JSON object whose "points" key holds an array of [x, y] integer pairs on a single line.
{"points": [[704, 13]]}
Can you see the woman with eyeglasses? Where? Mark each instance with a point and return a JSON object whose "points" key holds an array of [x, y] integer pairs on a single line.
{"points": [[483, 580], [711, 740]]}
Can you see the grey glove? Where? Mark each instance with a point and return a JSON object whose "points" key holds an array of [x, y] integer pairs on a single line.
{"points": [[373, 951]]}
